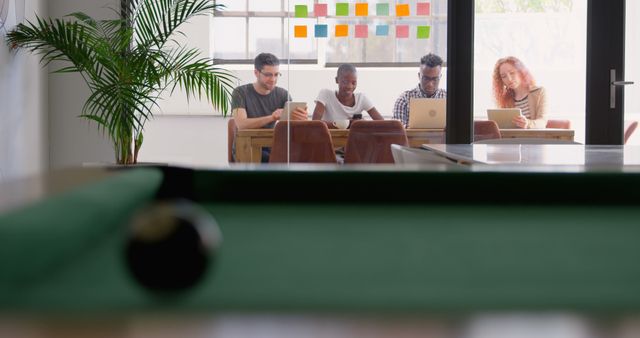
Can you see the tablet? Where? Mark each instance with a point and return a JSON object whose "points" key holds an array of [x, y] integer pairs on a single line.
{"points": [[503, 117], [290, 106]]}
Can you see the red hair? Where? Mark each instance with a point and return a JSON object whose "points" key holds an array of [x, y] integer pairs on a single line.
{"points": [[505, 96]]}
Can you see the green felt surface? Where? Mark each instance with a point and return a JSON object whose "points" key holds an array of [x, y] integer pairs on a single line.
{"points": [[337, 257], [54, 236]]}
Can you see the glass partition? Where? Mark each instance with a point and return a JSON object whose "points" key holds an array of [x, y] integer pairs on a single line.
{"points": [[632, 73], [344, 61], [541, 46]]}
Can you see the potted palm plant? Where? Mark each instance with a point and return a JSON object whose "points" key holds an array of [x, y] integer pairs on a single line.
{"points": [[128, 63]]}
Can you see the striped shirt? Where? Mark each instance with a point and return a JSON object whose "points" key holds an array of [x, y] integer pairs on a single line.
{"points": [[524, 106], [401, 107]]}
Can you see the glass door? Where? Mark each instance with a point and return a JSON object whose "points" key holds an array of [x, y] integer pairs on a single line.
{"points": [[632, 73], [530, 56]]}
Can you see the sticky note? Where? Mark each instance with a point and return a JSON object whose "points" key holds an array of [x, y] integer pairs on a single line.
{"points": [[342, 30], [402, 31], [423, 32], [382, 9], [301, 11], [362, 31], [402, 10], [362, 9], [382, 30], [320, 10], [423, 8], [300, 31], [321, 31], [342, 9]]}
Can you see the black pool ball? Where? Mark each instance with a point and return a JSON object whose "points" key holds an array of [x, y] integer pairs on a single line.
{"points": [[171, 245]]}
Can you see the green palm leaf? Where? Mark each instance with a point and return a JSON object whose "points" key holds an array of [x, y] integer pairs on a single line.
{"points": [[127, 65]]}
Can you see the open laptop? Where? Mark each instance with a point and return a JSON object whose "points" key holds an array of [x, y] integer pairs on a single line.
{"points": [[427, 113], [504, 117]]}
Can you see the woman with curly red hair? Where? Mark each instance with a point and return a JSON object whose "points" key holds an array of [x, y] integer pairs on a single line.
{"points": [[514, 87]]}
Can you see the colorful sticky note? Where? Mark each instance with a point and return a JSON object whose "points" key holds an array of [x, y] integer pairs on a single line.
{"points": [[402, 10], [362, 9], [320, 10], [300, 31], [301, 11], [382, 30], [321, 31], [423, 8], [382, 9], [362, 31], [342, 9], [342, 30], [402, 31], [423, 32]]}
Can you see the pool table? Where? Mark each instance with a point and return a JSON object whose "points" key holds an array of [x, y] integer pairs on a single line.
{"points": [[314, 241]]}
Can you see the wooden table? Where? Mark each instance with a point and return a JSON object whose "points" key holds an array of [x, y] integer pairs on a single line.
{"points": [[249, 142], [610, 157], [551, 133]]}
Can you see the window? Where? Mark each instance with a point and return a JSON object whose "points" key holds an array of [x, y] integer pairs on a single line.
{"points": [[549, 37], [267, 26], [258, 26]]}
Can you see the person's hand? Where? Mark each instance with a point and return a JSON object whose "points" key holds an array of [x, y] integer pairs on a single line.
{"points": [[299, 114], [276, 114], [520, 121]]}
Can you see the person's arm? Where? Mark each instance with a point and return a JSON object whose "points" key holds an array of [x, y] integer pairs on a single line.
{"points": [[321, 108], [401, 110], [539, 119], [244, 122], [318, 112], [373, 112], [369, 107], [520, 121], [299, 114]]}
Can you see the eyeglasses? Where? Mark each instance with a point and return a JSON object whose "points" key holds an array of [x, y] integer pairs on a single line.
{"points": [[430, 79], [270, 75]]}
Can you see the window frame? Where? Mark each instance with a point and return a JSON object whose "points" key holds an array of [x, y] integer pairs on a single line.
{"points": [[320, 50]]}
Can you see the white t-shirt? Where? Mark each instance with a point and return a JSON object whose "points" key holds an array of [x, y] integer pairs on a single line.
{"points": [[334, 110]]}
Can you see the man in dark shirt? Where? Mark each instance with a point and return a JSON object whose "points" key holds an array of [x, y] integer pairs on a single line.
{"points": [[260, 104], [428, 87]]}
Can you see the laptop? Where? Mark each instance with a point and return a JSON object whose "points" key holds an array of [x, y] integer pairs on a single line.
{"points": [[504, 117], [427, 113]]}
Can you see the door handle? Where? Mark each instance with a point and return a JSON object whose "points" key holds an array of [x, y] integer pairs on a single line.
{"points": [[612, 85], [621, 83]]}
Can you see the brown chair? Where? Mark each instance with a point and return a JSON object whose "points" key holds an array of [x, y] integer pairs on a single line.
{"points": [[370, 141], [559, 124], [303, 142], [231, 136], [629, 128], [485, 130]]}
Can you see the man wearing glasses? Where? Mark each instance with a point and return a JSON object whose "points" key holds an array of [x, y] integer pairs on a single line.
{"points": [[260, 104], [429, 75]]}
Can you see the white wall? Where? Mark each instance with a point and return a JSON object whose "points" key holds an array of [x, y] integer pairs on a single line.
{"points": [[23, 102], [196, 140], [73, 140]]}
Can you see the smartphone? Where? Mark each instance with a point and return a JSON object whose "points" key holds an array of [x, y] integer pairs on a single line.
{"points": [[357, 116], [289, 107]]}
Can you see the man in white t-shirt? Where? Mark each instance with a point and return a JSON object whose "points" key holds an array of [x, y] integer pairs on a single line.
{"points": [[343, 104]]}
